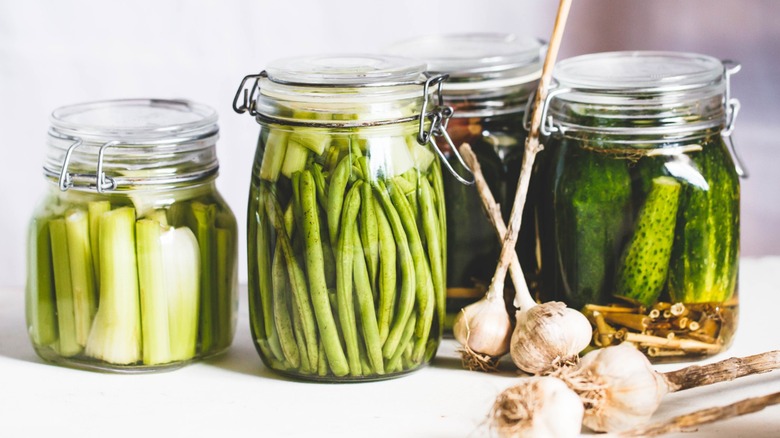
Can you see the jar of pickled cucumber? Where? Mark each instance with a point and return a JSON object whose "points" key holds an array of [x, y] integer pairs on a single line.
{"points": [[491, 76], [640, 215], [347, 223], [132, 252]]}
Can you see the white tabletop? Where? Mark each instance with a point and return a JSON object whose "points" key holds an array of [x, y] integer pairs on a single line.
{"points": [[235, 395]]}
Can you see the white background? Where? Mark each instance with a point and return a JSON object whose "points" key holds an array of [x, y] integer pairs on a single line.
{"points": [[55, 53]]}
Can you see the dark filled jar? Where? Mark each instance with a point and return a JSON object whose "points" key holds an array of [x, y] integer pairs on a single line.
{"points": [[491, 76], [346, 218], [132, 257], [640, 215]]}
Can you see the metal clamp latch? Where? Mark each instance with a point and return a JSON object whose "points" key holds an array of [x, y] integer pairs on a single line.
{"points": [[440, 117], [731, 109], [548, 126], [248, 101], [102, 181]]}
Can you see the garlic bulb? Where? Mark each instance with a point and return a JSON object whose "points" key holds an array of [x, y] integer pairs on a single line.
{"points": [[539, 407], [630, 390], [548, 335], [484, 327]]}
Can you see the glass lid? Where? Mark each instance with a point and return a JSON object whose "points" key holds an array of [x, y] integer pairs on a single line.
{"points": [[645, 71], [469, 57], [135, 120], [346, 70]]}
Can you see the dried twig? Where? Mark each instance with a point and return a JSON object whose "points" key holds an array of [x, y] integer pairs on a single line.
{"points": [[705, 416], [723, 371], [493, 212]]}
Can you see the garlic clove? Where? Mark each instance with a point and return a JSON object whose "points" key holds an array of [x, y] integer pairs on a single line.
{"points": [[548, 335], [631, 388], [538, 407], [484, 327]]}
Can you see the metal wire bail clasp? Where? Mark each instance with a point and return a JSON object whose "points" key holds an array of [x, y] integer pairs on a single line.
{"points": [[248, 101], [731, 109], [66, 179], [440, 117], [102, 182], [548, 126]]}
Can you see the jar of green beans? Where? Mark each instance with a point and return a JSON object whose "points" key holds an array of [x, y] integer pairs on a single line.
{"points": [[132, 253], [347, 229]]}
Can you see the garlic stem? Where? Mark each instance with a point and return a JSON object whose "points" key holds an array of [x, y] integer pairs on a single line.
{"points": [[523, 299], [723, 371], [532, 145], [705, 416]]}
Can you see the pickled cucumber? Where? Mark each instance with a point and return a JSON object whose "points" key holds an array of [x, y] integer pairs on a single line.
{"points": [[706, 247], [645, 262]]}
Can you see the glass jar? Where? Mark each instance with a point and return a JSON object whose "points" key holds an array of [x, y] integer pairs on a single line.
{"points": [[491, 76], [640, 218], [132, 252], [346, 217]]}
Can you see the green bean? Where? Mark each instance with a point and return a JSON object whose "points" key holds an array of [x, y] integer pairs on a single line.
{"points": [[336, 187], [322, 364], [263, 317], [424, 288], [305, 363], [344, 267], [296, 276], [289, 220], [322, 187], [329, 258], [394, 363], [412, 196], [431, 229], [387, 273], [369, 234], [438, 190], [317, 283], [281, 313], [406, 298], [366, 306]]}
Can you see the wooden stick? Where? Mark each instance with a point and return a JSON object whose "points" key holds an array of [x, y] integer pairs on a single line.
{"points": [[683, 344], [523, 299], [686, 422], [723, 371], [532, 147]]}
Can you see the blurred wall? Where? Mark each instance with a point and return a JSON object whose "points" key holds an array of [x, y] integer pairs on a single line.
{"points": [[55, 53]]}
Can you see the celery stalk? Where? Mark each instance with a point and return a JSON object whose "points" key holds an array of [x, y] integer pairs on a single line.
{"points": [[295, 158], [116, 332], [181, 263], [153, 291], [225, 280], [96, 209], [273, 155], [311, 139], [204, 216], [421, 156], [82, 277], [58, 233], [41, 311]]}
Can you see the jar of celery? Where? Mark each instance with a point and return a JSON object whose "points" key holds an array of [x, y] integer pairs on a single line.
{"points": [[132, 253], [491, 76], [347, 228], [640, 224]]}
